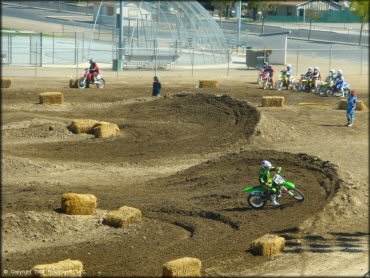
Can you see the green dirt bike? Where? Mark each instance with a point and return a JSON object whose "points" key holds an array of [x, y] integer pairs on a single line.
{"points": [[258, 196]]}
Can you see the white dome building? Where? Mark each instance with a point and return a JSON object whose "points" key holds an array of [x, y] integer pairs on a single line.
{"points": [[177, 32]]}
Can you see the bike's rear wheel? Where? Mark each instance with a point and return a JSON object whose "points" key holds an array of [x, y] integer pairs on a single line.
{"points": [[257, 202], [296, 194], [82, 82]]}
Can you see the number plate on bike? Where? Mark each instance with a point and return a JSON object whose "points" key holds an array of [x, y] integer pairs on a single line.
{"points": [[278, 179]]}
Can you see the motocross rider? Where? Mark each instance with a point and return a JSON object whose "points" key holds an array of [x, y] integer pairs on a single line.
{"points": [[289, 74], [265, 181], [316, 76], [269, 71], [338, 84], [93, 70]]}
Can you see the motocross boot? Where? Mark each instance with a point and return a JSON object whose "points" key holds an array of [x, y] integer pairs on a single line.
{"points": [[273, 200]]}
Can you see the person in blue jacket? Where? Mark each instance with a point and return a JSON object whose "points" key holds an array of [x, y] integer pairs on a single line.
{"points": [[156, 87], [351, 108]]}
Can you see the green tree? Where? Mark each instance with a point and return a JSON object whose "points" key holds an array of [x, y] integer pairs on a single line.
{"points": [[313, 15], [361, 8], [264, 7]]}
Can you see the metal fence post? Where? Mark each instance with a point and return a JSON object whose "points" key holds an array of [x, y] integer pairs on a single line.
{"points": [[228, 61], [330, 54], [41, 49], [361, 61], [192, 63], [155, 57], [76, 47], [297, 58], [83, 46], [36, 61], [53, 47], [30, 49], [77, 61]]}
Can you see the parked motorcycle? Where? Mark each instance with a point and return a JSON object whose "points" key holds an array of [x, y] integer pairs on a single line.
{"points": [[258, 196], [83, 82]]}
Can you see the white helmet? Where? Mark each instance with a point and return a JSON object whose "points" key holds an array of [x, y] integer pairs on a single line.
{"points": [[266, 164], [316, 68], [310, 69], [289, 66], [332, 71], [91, 60], [340, 72]]}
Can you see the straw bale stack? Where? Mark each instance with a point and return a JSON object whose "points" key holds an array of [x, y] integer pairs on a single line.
{"points": [[66, 268], [78, 204], [267, 245], [273, 101], [208, 83], [361, 106], [105, 130], [73, 83], [5, 82], [51, 98], [82, 126], [184, 267], [123, 217]]}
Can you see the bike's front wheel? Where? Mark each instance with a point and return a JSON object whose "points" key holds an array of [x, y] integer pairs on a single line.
{"points": [[100, 83], [82, 83], [279, 85], [296, 194], [257, 202]]}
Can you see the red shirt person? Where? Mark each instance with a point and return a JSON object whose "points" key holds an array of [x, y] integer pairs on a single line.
{"points": [[94, 69]]}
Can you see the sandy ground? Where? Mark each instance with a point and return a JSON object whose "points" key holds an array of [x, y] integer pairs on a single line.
{"points": [[183, 160]]}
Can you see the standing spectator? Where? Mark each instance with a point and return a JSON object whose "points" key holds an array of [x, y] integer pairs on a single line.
{"points": [[352, 102], [156, 87]]}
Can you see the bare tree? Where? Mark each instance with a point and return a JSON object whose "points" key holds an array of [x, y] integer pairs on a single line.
{"points": [[313, 15]]}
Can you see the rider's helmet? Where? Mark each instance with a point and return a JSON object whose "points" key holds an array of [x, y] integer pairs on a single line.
{"points": [[309, 69], [340, 72], [265, 64], [332, 72], [266, 165], [316, 69], [91, 60], [289, 66]]}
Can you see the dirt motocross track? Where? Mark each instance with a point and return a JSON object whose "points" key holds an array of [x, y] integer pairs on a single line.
{"points": [[183, 160]]}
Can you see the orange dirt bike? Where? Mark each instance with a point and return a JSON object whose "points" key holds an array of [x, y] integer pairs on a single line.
{"points": [[84, 81], [258, 196]]}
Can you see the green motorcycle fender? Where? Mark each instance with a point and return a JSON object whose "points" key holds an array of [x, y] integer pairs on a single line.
{"points": [[253, 188], [288, 184]]}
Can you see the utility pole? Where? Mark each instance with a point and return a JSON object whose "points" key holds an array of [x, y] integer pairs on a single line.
{"points": [[239, 15], [118, 62]]}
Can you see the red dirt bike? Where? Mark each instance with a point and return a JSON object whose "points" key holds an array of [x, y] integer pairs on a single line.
{"points": [[84, 81], [261, 76]]}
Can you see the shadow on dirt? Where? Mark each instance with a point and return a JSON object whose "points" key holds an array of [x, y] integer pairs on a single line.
{"points": [[335, 242]]}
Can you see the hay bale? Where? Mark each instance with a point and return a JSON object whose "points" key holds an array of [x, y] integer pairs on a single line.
{"points": [[184, 267], [78, 204], [51, 98], [361, 106], [73, 83], [5, 82], [105, 130], [82, 126], [267, 245], [66, 268], [273, 101], [123, 217], [208, 84]]}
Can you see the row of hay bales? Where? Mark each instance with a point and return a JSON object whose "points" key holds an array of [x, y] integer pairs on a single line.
{"points": [[123, 217]]}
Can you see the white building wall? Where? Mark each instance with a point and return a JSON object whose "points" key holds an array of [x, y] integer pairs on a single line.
{"points": [[278, 44]]}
